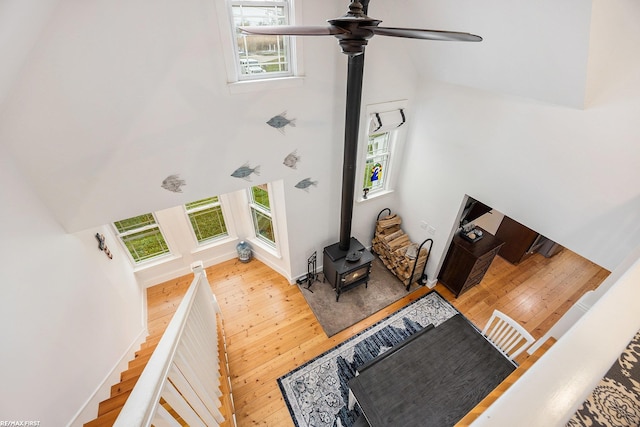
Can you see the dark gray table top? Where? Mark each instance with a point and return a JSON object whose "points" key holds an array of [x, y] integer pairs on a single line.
{"points": [[433, 381]]}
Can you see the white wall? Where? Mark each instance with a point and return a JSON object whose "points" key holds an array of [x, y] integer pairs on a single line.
{"points": [[20, 25], [120, 106], [537, 50], [125, 94], [386, 79], [569, 174], [185, 249], [69, 313]]}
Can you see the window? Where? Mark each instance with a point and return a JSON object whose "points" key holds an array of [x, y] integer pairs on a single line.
{"points": [[207, 219], [382, 141], [260, 207], [142, 237], [260, 56], [378, 154]]}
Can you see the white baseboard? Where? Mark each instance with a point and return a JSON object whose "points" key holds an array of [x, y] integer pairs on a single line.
{"points": [[431, 283], [89, 410], [184, 270], [269, 262]]}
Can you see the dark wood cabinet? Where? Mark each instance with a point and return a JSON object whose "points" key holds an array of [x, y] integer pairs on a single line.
{"points": [[466, 263], [520, 241]]}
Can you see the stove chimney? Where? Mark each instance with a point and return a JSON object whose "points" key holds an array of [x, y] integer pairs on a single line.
{"points": [[352, 122]]}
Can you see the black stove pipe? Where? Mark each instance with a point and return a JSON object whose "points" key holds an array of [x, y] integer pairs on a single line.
{"points": [[355, 75], [352, 122]]}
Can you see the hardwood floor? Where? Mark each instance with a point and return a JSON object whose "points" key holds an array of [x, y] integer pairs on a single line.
{"points": [[536, 293], [271, 330]]}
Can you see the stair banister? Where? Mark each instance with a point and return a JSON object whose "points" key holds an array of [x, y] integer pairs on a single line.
{"points": [[184, 368]]}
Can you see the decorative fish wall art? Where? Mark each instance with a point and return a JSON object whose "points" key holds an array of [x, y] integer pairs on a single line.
{"points": [[102, 245], [305, 184], [280, 121], [173, 183], [245, 172], [291, 160]]}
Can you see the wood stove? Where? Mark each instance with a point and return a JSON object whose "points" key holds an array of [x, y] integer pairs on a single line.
{"points": [[347, 269], [347, 264]]}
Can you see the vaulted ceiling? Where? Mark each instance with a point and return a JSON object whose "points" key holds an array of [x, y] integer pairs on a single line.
{"points": [[535, 49], [531, 49], [80, 78]]}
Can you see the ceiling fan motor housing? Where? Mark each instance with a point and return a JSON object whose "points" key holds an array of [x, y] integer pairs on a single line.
{"points": [[356, 34]]}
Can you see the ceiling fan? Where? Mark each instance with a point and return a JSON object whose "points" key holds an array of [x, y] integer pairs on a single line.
{"points": [[353, 30]]}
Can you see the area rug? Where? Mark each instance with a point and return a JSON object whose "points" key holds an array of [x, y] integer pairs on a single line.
{"points": [[317, 392], [615, 401], [356, 304]]}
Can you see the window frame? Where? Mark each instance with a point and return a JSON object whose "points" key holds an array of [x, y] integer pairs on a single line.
{"points": [[211, 240], [394, 151], [288, 41], [270, 212], [232, 58], [156, 224]]}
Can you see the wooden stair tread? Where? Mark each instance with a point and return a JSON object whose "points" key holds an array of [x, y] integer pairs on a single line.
{"points": [[139, 361], [145, 351], [123, 386], [106, 420], [151, 341], [113, 403], [131, 372], [109, 409]]}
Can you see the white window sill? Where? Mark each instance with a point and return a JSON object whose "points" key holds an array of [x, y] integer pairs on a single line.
{"points": [[247, 86], [263, 246], [213, 244], [155, 262], [370, 196]]}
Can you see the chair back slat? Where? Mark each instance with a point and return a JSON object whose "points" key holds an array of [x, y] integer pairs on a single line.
{"points": [[507, 335]]}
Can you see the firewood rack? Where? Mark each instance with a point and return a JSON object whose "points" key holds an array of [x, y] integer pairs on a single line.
{"points": [[383, 245]]}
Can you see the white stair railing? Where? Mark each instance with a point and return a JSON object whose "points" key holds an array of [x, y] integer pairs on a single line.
{"points": [[183, 369]]}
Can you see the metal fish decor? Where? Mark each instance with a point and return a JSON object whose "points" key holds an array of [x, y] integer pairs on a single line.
{"points": [[291, 160], [173, 183], [245, 172], [280, 121], [306, 183]]}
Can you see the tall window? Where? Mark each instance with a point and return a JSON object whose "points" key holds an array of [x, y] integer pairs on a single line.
{"points": [[261, 56], [142, 237], [381, 147], [260, 207], [207, 219]]}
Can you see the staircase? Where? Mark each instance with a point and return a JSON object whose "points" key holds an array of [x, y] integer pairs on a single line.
{"points": [[109, 409], [162, 305]]}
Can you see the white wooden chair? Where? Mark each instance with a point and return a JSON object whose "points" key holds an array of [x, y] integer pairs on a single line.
{"points": [[507, 335]]}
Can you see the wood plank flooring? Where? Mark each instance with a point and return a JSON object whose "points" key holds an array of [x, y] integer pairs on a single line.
{"points": [[271, 330]]}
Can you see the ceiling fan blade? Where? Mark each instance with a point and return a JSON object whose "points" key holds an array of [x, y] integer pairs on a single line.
{"points": [[294, 30], [414, 33]]}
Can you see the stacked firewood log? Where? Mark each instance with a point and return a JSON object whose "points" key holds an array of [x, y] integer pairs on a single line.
{"points": [[397, 251]]}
